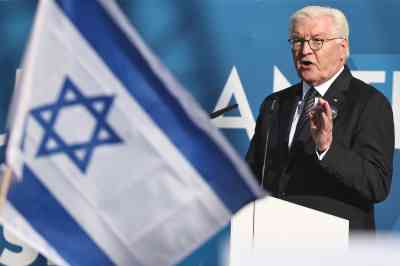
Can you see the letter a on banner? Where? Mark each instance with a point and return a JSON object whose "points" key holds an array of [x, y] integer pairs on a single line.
{"points": [[234, 89]]}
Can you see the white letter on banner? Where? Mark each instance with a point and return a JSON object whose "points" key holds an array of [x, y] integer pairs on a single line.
{"points": [[396, 106], [280, 81], [234, 88], [369, 76]]}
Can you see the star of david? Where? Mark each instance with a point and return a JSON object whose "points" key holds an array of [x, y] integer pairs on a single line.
{"points": [[80, 152]]}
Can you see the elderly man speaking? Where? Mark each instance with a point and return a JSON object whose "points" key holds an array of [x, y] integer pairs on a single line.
{"points": [[327, 142]]}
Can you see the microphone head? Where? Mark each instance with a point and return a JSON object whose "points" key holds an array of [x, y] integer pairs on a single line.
{"points": [[274, 105]]}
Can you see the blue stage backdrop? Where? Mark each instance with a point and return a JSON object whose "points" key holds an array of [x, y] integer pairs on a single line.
{"points": [[230, 51]]}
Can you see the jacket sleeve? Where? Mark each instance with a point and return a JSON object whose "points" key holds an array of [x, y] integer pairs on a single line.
{"points": [[366, 166]]}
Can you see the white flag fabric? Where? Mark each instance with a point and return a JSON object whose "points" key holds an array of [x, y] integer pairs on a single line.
{"points": [[117, 164]]}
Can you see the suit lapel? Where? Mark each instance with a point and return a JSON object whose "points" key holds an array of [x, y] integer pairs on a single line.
{"points": [[286, 113], [336, 93]]}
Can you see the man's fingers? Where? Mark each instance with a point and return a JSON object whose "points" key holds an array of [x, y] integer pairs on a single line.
{"points": [[321, 116], [315, 120], [325, 107]]}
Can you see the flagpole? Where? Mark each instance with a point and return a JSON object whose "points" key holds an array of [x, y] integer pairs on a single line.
{"points": [[5, 185]]}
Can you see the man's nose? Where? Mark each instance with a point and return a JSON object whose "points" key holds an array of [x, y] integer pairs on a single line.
{"points": [[306, 49]]}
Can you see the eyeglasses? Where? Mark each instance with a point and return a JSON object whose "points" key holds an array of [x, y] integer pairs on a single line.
{"points": [[315, 43]]}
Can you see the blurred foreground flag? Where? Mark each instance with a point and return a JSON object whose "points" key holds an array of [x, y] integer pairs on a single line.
{"points": [[116, 163]]}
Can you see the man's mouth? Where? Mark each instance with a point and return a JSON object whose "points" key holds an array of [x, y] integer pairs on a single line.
{"points": [[306, 62]]}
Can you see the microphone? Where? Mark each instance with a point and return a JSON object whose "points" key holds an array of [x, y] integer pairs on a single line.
{"points": [[273, 109], [274, 105], [222, 111]]}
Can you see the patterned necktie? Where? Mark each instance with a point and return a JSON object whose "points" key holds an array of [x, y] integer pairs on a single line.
{"points": [[308, 103]]}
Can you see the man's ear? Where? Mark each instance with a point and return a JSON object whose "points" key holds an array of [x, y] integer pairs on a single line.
{"points": [[345, 45]]}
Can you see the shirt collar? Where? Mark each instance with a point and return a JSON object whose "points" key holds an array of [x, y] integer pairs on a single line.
{"points": [[322, 88]]}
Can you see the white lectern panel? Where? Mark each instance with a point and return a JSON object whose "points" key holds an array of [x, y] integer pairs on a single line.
{"points": [[279, 224]]}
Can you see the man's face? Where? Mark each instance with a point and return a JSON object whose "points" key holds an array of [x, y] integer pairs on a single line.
{"points": [[317, 66]]}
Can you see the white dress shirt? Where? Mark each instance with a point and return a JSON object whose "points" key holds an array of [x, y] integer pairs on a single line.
{"points": [[322, 89]]}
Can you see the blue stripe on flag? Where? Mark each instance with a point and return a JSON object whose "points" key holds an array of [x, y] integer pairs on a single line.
{"points": [[49, 217], [128, 65]]}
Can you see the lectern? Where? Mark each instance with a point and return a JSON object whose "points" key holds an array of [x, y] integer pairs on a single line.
{"points": [[279, 225]]}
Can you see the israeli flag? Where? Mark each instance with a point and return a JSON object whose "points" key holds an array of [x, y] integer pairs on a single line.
{"points": [[115, 161]]}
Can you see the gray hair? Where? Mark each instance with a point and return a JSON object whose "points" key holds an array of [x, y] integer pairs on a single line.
{"points": [[338, 18]]}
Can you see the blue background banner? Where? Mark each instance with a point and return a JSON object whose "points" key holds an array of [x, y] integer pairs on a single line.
{"points": [[232, 51]]}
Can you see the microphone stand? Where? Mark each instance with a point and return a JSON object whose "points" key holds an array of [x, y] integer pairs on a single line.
{"points": [[274, 107]]}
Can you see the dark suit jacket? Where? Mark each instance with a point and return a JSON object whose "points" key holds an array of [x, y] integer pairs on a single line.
{"points": [[355, 173]]}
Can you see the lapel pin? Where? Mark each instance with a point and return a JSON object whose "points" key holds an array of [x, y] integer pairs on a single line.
{"points": [[334, 108]]}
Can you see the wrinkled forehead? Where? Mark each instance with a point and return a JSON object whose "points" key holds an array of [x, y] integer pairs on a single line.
{"points": [[304, 26]]}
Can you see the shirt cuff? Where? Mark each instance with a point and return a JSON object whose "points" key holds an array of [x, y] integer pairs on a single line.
{"points": [[322, 154]]}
